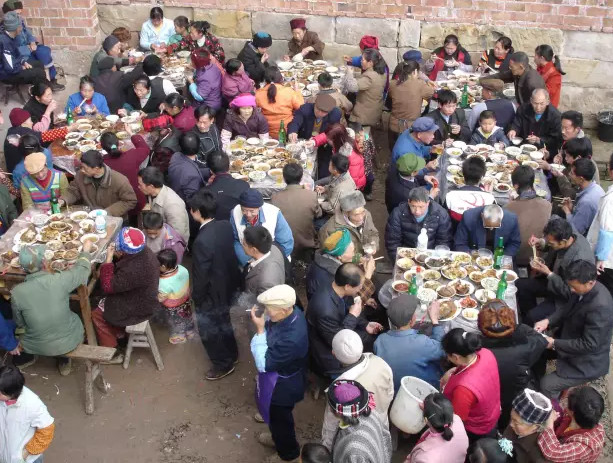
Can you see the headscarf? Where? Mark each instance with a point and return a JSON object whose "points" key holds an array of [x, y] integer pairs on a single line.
{"points": [[369, 41], [337, 243], [348, 398], [243, 100], [130, 240], [31, 258]]}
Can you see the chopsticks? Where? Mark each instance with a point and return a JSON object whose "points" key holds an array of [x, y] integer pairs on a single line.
{"points": [[84, 100], [534, 252], [560, 198]]}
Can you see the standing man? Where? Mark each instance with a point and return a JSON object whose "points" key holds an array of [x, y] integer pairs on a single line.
{"points": [[525, 78], [215, 279], [226, 188]]}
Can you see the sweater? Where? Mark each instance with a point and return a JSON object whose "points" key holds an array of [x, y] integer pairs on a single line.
{"points": [[149, 35], [286, 102], [175, 286], [233, 85], [553, 81], [366, 442], [98, 100]]}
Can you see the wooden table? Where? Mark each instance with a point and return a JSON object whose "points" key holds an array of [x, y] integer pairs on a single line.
{"points": [[11, 276]]}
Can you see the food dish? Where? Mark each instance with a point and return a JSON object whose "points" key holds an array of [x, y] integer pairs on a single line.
{"points": [[448, 310], [462, 287], [407, 252], [25, 236], [408, 275], [476, 276], [511, 275], [453, 272], [490, 283], [532, 164], [446, 291], [40, 219], [470, 314], [421, 258], [426, 295], [502, 188], [405, 263], [122, 135], [433, 284], [89, 237], [78, 216], [437, 263], [485, 262], [400, 286], [484, 295], [468, 302], [462, 258], [431, 275]]}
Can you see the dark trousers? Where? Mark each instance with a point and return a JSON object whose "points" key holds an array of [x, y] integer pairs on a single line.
{"points": [[370, 180], [27, 76], [528, 289], [606, 278], [217, 335], [283, 432], [324, 154]]}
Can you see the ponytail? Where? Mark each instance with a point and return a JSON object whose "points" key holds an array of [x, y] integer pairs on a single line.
{"points": [[460, 342], [406, 69], [110, 144], [272, 93], [557, 64], [546, 52], [438, 410], [272, 76]]}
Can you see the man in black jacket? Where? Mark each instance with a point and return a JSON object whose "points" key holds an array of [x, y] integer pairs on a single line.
{"points": [[450, 119], [583, 337], [114, 84], [525, 78], [215, 280], [225, 188]]}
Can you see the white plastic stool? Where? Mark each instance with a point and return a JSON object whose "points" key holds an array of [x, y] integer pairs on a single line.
{"points": [[141, 335]]}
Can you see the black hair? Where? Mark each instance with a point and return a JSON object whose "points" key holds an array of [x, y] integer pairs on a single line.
{"points": [[190, 143], [372, 55], [587, 406], [487, 114], [292, 173], [558, 228], [445, 97], [86, 80], [340, 162], [168, 258], [152, 220], [152, 176], [520, 57], [439, 412], [486, 450], [452, 38], [11, 381], [355, 126], [174, 99], [258, 237], [523, 177], [92, 158], [39, 88], [110, 144], [405, 69], [584, 168], [204, 110], [204, 202], [143, 80], [578, 148], [582, 271], [573, 116], [348, 274], [315, 453], [152, 65], [325, 80], [611, 162], [545, 51], [506, 43], [458, 341], [156, 13], [233, 65], [272, 76], [181, 21], [29, 144], [218, 162], [201, 26], [473, 170]]}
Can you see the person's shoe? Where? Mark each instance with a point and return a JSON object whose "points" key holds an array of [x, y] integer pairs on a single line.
{"points": [[265, 439], [56, 87], [235, 362], [214, 374], [368, 197], [24, 361], [64, 366], [258, 418], [277, 459], [116, 360]]}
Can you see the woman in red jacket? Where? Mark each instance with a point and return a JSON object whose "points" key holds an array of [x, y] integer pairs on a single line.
{"points": [[549, 67], [336, 136]]}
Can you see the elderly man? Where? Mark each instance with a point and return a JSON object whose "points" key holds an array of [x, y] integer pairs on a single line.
{"points": [[56, 330], [163, 200], [333, 187], [252, 211], [563, 246], [280, 349], [111, 48], [525, 78], [483, 227], [406, 222], [493, 100], [582, 213], [583, 337], [100, 187], [416, 139], [470, 194], [267, 265], [353, 216], [38, 185], [538, 122], [313, 118]]}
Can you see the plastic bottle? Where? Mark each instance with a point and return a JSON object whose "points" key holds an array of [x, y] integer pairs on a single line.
{"points": [[419, 277], [100, 224], [422, 240]]}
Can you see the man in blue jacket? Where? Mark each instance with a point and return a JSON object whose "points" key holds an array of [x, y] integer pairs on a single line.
{"points": [[313, 118], [15, 68], [416, 139]]}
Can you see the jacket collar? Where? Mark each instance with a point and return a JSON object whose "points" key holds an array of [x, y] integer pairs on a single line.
{"points": [[106, 178]]}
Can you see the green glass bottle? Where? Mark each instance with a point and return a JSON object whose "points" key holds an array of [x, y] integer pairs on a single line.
{"points": [[55, 205], [69, 117], [498, 253], [464, 100], [282, 134], [502, 286], [413, 288]]}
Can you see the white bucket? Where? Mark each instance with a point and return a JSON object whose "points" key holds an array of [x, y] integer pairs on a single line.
{"points": [[406, 414]]}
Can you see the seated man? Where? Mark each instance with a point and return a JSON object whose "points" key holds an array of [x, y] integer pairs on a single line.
{"points": [[532, 212], [563, 246], [16, 69], [402, 177], [226, 189], [582, 213], [484, 227], [160, 235], [313, 118], [450, 119], [353, 216], [538, 122], [406, 351], [488, 131], [584, 327], [267, 265], [470, 195], [163, 200], [493, 100], [325, 81], [406, 222], [38, 185], [416, 140], [336, 185], [252, 211], [113, 84], [99, 187]]}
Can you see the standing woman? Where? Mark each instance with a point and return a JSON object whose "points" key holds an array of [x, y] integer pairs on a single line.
{"points": [[449, 57], [254, 56], [86, 101], [207, 132], [407, 94], [205, 86], [549, 67], [498, 57], [277, 102], [41, 106], [199, 33], [236, 81], [473, 385], [245, 119], [304, 42], [156, 31]]}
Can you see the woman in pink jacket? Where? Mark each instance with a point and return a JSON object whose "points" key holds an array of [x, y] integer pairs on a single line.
{"points": [[336, 136], [236, 81]]}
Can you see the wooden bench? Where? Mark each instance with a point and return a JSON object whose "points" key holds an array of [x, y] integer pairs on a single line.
{"points": [[92, 355], [141, 335]]}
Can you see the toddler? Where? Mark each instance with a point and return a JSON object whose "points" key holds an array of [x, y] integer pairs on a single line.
{"points": [[488, 132]]}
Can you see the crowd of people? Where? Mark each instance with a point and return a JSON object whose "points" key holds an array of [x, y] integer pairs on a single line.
{"points": [[178, 198]]}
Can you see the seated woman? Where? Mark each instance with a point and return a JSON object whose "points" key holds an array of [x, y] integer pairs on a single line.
{"points": [[498, 57], [304, 42], [181, 33], [549, 67], [152, 66], [41, 183], [450, 119], [180, 112], [205, 85], [277, 102], [86, 101], [145, 96], [236, 81], [245, 119], [199, 32], [156, 31], [41, 106], [449, 57], [254, 56], [111, 46], [124, 36]]}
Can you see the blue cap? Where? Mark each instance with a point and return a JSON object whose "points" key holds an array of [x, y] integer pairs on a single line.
{"points": [[424, 124], [412, 55]]}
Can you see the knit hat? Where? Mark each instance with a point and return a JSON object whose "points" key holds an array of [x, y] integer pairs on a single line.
{"points": [[496, 319], [528, 410], [280, 296], [401, 309], [351, 201], [109, 43], [369, 41], [412, 55], [424, 124], [325, 102], [251, 198], [348, 398], [347, 347], [12, 21], [493, 85], [243, 100], [409, 163], [106, 63], [18, 116], [31, 258], [297, 23], [34, 162], [11, 5], [261, 40], [337, 243], [130, 240]]}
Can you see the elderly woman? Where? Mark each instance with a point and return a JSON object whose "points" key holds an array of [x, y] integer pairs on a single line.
{"points": [[86, 101], [529, 415], [449, 57], [360, 435], [549, 67], [146, 96], [41, 183], [473, 384], [111, 46], [199, 32], [156, 31], [280, 348], [205, 85], [254, 56], [498, 57], [244, 119], [235, 81], [304, 42]]}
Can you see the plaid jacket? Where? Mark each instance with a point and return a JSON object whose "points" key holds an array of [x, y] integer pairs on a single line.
{"points": [[211, 43], [578, 446]]}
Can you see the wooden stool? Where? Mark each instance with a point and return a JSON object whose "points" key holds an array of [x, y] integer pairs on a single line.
{"points": [[12, 88], [92, 355], [142, 336]]}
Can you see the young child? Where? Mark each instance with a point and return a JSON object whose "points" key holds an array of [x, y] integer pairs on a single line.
{"points": [[314, 453], [181, 25], [364, 146], [488, 132], [175, 296]]}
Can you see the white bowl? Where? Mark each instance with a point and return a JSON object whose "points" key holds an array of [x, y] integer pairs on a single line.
{"points": [[285, 65], [112, 118], [331, 69], [537, 155], [512, 150], [298, 57], [459, 144]]}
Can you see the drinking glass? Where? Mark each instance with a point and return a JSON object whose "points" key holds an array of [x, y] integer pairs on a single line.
{"points": [[507, 263]]}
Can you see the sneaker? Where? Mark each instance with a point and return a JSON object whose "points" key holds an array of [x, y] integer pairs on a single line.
{"points": [[368, 197], [265, 439], [64, 366], [56, 87], [258, 418], [116, 360], [214, 374]]}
